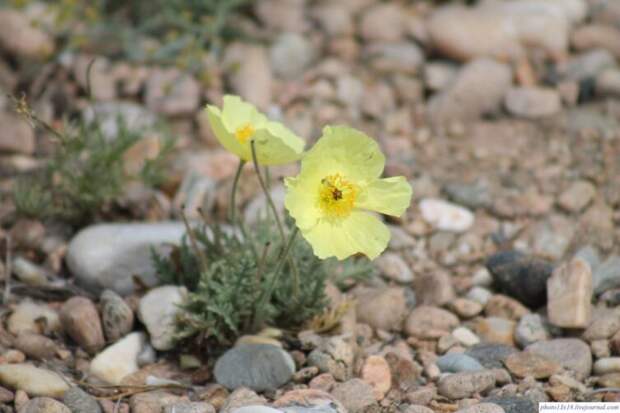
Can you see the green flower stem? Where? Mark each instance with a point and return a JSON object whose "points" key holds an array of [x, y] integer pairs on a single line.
{"points": [[233, 194], [259, 317], [266, 191]]}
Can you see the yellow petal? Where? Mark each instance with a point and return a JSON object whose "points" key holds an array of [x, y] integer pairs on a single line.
{"points": [[347, 151], [300, 202], [360, 232], [237, 113], [390, 196], [226, 138], [275, 144]]}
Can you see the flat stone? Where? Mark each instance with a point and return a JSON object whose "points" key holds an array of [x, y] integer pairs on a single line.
{"points": [[376, 372], [446, 216], [394, 267], [607, 275], [33, 380], [25, 316], [189, 407], [569, 295], [530, 329], [496, 330], [383, 308], [577, 196], [256, 366], [491, 356], [308, 401], [465, 336], [19, 36], [520, 276], [158, 310], [525, 364], [602, 327], [532, 102], [290, 54], [78, 401], [355, 395], [513, 404], [458, 362], [110, 255], [607, 365], [430, 322], [44, 405], [35, 345], [465, 384], [119, 360], [116, 315], [482, 408], [16, 135], [81, 321], [571, 353], [334, 356]]}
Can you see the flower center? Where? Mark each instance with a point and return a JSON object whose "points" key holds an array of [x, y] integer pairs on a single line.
{"points": [[245, 132], [337, 196]]}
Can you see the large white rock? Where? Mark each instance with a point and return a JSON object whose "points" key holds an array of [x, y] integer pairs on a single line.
{"points": [[119, 360], [446, 216], [32, 380], [110, 255], [25, 316], [569, 292], [157, 310]]}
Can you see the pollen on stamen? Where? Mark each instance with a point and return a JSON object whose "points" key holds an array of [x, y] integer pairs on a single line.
{"points": [[245, 132], [336, 196]]}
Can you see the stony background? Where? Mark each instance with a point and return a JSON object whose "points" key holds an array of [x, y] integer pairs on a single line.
{"points": [[500, 286]]}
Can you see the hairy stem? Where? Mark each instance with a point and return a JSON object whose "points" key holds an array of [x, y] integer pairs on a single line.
{"points": [[233, 193]]}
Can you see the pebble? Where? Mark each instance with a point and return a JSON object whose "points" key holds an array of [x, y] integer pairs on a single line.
{"points": [[446, 216], [577, 196], [189, 407], [606, 365], [606, 276], [383, 21], [18, 36], [496, 330], [465, 308], [35, 345], [426, 322], [33, 380], [393, 267], [395, 57], [465, 384], [282, 15], [30, 273], [569, 293], [502, 306], [382, 309], [309, 401], [434, 288], [80, 320], [525, 364], [602, 327], [513, 404], [491, 355], [594, 36], [480, 295], [78, 401], [24, 318], [531, 329], [608, 83], [520, 276], [239, 398], [532, 102], [472, 195], [172, 92], [255, 409], [464, 100], [44, 405], [458, 362], [16, 135], [355, 395], [152, 401], [291, 54], [158, 310], [588, 65], [334, 19], [252, 78], [438, 75], [116, 316], [376, 372], [108, 256], [465, 336], [258, 367], [6, 395], [482, 408], [334, 356], [417, 409], [119, 360], [571, 353]]}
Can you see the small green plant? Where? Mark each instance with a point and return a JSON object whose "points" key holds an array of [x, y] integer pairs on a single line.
{"points": [[84, 173]]}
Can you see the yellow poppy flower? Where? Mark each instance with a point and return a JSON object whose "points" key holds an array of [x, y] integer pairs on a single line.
{"points": [[239, 122], [337, 187]]}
